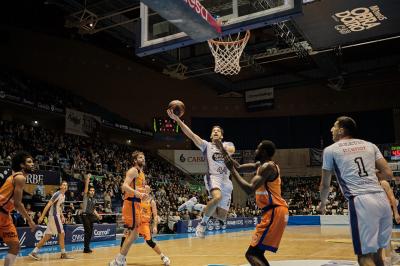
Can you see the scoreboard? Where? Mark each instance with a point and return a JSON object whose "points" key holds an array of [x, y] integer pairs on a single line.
{"points": [[395, 153], [165, 125]]}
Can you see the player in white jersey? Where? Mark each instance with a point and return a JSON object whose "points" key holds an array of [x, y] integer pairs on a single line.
{"points": [[55, 222], [217, 180], [390, 255], [354, 162], [191, 205]]}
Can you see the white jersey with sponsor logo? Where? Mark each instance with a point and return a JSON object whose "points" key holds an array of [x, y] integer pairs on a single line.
{"points": [[58, 199], [353, 161], [215, 161]]}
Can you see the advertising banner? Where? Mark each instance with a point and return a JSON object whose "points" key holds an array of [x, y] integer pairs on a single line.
{"points": [[189, 226], [39, 177], [73, 234], [191, 161], [327, 24]]}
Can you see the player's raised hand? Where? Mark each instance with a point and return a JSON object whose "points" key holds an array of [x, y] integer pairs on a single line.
{"points": [[171, 115]]}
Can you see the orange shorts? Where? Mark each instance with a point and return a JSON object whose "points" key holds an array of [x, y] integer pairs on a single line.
{"points": [[269, 231], [131, 214], [8, 232], [144, 230]]}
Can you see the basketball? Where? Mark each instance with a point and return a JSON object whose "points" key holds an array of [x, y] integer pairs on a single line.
{"points": [[178, 107], [229, 147]]}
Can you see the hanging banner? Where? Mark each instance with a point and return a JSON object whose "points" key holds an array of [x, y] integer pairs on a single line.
{"points": [[79, 123], [330, 23]]}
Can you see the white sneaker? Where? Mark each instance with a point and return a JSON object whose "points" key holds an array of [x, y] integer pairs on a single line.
{"points": [[114, 262], [34, 255], [166, 261], [200, 230]]}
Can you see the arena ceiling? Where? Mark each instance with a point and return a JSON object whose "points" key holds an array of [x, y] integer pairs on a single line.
{"points": [[268, 60]]}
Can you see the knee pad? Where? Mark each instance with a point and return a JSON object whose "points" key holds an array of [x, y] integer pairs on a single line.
{"points": [[151, 243]]}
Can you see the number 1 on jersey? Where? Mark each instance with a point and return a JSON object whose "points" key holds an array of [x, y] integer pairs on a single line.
{"points": [[361, 168]]}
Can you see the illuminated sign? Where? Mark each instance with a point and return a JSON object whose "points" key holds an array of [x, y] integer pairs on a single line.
{"points": [[395, 153]]}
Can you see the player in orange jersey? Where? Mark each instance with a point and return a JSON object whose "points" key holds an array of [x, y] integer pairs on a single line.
{"points": [[267, 186], [11, 190], [149, 211], [133, 188]]}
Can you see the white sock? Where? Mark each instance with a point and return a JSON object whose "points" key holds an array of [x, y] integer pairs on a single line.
{"points": [[205, 219], [35, 250], [120, 257], [63, 250], [162, 255], [10, 259]]}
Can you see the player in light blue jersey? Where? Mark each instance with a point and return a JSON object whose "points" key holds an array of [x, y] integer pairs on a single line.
{"points": [[55, 222], [354, 162], [217, 179]]}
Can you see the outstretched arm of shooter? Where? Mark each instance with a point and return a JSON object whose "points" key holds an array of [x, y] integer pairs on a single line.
{"points": [[185, 129]]}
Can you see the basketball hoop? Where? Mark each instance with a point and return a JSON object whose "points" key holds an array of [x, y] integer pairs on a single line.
{"points": [[227, 52]]}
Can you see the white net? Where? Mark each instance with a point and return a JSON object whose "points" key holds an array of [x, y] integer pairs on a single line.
{"points": [[227, 52]]}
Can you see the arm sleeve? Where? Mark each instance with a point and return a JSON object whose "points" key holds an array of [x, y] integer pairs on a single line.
{"points": [[327, 163], [203, 145], [378, 154]]}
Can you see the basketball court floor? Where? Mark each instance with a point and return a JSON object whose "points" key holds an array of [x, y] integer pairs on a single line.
{"points": [[301, 246]]}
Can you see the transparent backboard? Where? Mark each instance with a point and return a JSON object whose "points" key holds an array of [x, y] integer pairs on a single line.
{"points": [[159, 34]]}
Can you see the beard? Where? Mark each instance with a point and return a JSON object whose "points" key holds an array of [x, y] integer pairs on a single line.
{"points": [[258, 157]]}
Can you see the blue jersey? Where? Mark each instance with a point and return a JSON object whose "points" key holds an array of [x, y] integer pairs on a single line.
{"points": [[353, 161]]}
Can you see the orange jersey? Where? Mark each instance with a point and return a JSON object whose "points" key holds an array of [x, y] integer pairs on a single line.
{"points": [[146, 211], [137, 184], [270, 193], [7, 193]]}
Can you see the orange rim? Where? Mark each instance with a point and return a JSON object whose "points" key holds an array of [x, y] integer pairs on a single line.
{"points": [[246, 37]]}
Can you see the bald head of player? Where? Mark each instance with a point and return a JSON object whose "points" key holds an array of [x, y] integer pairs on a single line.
{"points": [[344, 127], [217, 133], [265, 151]]}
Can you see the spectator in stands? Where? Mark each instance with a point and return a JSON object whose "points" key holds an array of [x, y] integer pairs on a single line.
{"points": [[107, 209], [29, 211], [37, 216], [107, 197], [69, 219]]}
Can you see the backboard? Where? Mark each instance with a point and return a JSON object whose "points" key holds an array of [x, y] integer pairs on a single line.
{"points": [[162, 23]]}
